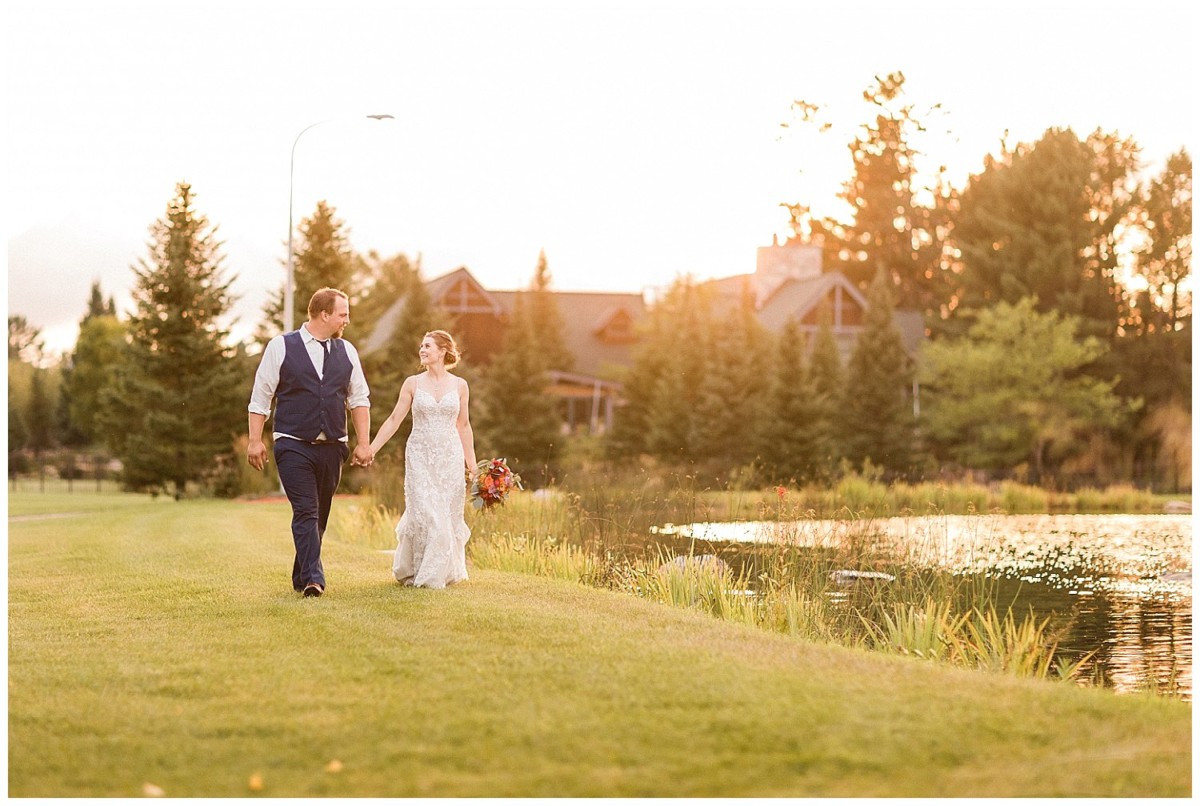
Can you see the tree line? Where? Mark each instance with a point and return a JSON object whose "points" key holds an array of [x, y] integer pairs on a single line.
{"points": [[1054, 289]]}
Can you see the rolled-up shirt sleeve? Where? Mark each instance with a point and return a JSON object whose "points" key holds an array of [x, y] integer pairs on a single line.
{"points": [[359, 395], [266, 379]]}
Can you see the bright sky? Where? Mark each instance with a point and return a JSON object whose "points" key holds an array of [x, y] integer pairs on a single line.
{"points": [[632, 141]]}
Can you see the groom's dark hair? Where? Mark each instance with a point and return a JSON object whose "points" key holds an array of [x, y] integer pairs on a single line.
{"points": [[322, 301]]}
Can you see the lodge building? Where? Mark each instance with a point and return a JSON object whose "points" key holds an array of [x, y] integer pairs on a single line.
{"points": [[600, 329]]}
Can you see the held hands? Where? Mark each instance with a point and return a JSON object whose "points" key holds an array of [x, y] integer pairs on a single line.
{"points": [[363, 456]]}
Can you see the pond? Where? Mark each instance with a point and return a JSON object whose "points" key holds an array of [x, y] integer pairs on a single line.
{"points": [[1121, 583]]}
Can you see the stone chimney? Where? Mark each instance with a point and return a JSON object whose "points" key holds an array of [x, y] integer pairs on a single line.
{"points": [[778, 264]]}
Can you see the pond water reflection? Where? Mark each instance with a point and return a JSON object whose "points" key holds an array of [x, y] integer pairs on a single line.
{"points": [[1124, 582]]}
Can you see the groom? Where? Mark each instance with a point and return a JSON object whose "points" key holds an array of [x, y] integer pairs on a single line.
{"points": [[313, 375]]}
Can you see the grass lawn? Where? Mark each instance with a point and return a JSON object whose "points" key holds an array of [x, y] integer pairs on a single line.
{"points": [[159, 642]]}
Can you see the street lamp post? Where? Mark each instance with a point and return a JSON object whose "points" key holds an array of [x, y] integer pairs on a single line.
{"points": [[289, 304]]}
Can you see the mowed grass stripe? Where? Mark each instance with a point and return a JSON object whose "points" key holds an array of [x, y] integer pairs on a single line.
{"points": [[160, 642]]}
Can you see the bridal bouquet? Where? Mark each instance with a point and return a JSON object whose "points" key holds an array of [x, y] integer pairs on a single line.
{"points": [[492, 483]]}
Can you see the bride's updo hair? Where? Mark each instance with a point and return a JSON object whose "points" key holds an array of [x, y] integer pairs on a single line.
{"points": [[445, 341]]}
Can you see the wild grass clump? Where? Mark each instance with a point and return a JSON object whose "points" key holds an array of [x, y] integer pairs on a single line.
{"points": [[823, 570], [1115, 498], [831, 581], [530, 555], [360, 521], [865, 495], [1015, 498], [980, 638]]}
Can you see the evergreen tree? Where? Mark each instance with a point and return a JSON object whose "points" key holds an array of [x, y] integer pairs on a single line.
{"points": [[18, 433], [879, 424], [324, 258], [90, 366], [385, 281], [629, 435], [98, 305], [40, 418], [891, 230], [520, 422], [673, 431], [547, 320], [786, 432], [387, 367], [730, 399], [178, 396], [827, 381]]}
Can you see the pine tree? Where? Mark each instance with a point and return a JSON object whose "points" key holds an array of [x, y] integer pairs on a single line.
{"points": [[893, 228], [40, 420], [323, 259], [827, 381], [387, 367], [520, 422], [730, 400], [90, 366], [547, 320], [788, 430], [673, 431], [879, 423], [629, 436], [18, 433], [97, 305], [178, 396]]}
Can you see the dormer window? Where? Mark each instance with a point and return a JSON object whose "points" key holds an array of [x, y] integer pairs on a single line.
{"points": [[616, 328]]}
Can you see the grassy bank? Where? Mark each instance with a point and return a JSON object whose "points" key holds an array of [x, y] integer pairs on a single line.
{"points": [[158, 643]]}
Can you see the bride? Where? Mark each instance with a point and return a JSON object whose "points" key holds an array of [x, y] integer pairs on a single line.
{"points": [[432, 534]]}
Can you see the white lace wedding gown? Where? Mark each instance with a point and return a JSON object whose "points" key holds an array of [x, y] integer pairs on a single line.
{"points": [[432, 535]]}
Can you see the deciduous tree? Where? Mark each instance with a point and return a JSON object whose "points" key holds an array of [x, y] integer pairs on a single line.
{"points": [[1041, 221], [1010, 392], [1164, 261]]}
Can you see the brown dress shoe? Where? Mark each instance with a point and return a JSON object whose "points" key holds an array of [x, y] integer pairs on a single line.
{"points": [[313, 589]]}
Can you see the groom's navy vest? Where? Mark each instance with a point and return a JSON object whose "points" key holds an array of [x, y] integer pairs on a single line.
{"points": [[307, 405]]}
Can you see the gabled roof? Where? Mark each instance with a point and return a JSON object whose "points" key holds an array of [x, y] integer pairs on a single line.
{"points": [[483, 300], [438, 287], [585, 314], [795, 299]]}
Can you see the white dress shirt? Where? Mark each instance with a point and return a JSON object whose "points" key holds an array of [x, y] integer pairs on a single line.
{"points": [[266, 379]]}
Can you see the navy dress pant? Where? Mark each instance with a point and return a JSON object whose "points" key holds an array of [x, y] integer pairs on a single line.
{"points": [[309, 474]]}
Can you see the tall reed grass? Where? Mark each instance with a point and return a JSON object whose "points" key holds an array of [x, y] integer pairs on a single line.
{"points": [[818, 579]]}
